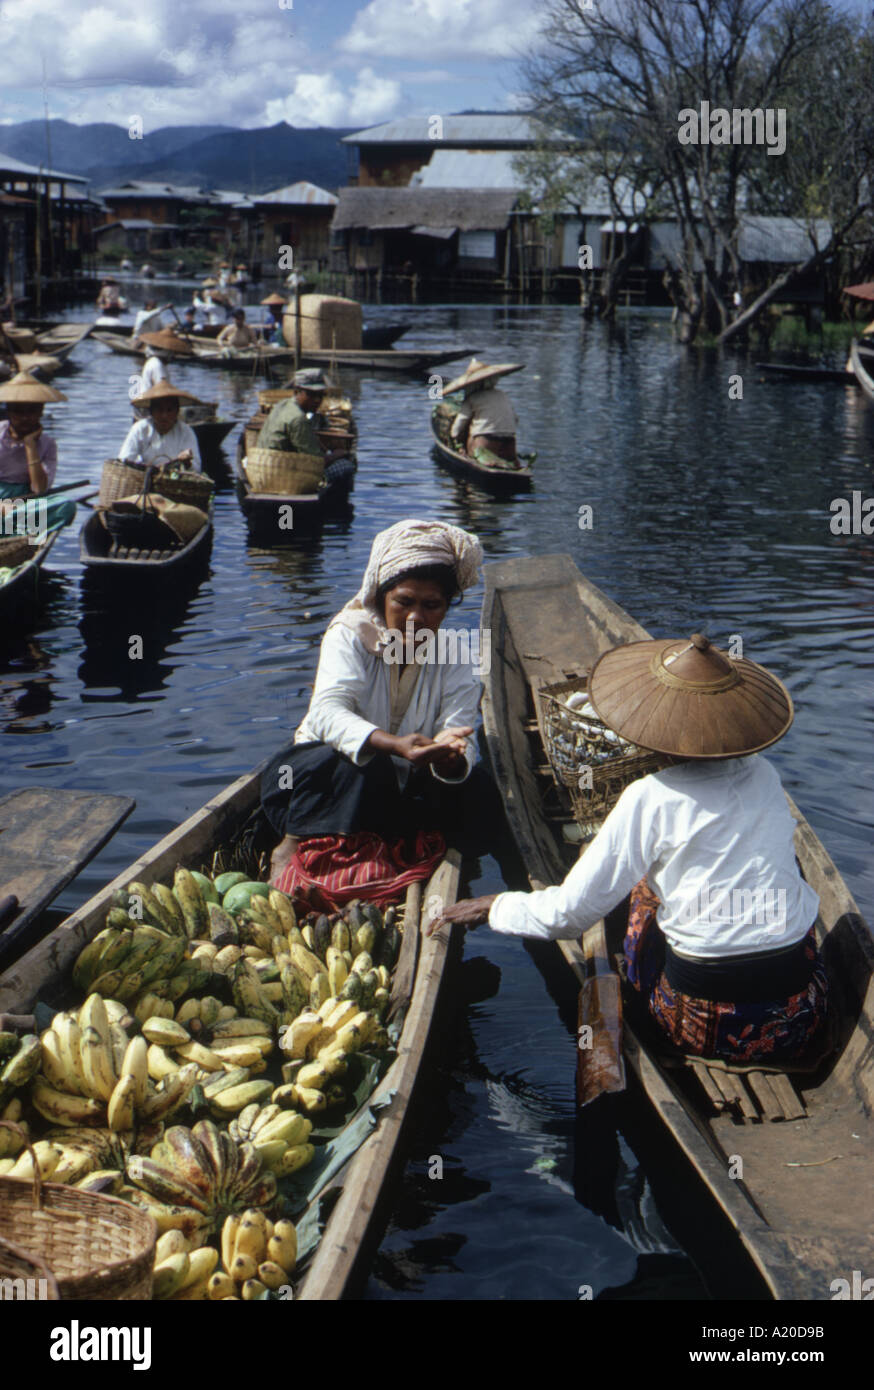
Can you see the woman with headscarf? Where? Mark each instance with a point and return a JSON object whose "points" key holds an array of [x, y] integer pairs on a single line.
{"points": [[385, 744], [720, 941]]}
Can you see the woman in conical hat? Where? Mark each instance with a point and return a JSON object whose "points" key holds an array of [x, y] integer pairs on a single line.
{"points": [[720, 941], [162, 346], [485, 423], [160, 436], [384, 750], [28, 456]]}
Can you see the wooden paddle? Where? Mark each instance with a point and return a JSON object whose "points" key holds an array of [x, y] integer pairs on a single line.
{"points": [[600, 1065]]}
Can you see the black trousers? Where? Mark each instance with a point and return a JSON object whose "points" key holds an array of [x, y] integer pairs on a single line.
{"points": [[331, 795]]}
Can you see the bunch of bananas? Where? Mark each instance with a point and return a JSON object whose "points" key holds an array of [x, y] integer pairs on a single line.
{"points": [[128, 961], [94, 1073], [257, 1255], [12, 1140], [195, 1177], [182, 1272], [280, 1136], [91, 1158]]}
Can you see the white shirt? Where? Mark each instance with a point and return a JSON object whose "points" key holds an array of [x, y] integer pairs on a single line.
{"points": [[153, 372], [352, 697], [715, 842], [144, 444], [489, 412], [148, 320]]}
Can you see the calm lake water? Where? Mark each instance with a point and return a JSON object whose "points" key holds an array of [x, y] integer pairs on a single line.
{"points": [[708, 513]]}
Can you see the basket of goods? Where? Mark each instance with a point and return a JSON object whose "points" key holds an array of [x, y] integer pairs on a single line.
{"points": [[119, 479], [184, 485], [286, 474], [590, 760], [95, 1246], [14, 551], [135, 523], [268, 399]]}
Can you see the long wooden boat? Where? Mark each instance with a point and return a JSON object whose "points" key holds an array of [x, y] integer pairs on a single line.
{"points": [[797, 372], [104, 559], [19, 595], [356, 1221], [502, 481], [806, 1140], [63, 338], [260, 359], [382, 335], [414, 360], [862, 359], [210, 434]]}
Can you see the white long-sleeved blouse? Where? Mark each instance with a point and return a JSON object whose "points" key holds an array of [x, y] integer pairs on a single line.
{"points": [[353, 696]]}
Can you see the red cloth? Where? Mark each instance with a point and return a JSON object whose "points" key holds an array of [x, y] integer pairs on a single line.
{"points": [[328, 871]]}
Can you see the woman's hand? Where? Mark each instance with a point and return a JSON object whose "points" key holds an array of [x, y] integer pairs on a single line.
{"points": [[417, 749], [469, 913]]}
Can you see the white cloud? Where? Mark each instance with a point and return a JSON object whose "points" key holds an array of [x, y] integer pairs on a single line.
{"points": [[319, 99], [443, 29]]}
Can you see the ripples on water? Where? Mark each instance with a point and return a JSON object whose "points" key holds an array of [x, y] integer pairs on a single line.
{"points": [[708, 513]]}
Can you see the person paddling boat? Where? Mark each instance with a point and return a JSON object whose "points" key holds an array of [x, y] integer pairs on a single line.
{"points": [[720, 942], [485, 423]]}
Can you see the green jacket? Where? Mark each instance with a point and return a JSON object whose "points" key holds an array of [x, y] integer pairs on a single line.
{"points": [[287, 428]]}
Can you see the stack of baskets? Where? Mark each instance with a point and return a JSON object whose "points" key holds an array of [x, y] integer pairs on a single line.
{"points": [[593, 763], [284, 474], [125, 479]]}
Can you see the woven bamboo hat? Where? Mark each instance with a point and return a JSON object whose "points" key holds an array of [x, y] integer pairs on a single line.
{"points": [[165, 390], [25, 389], [688, 699], [209, 283], [476, 372], [274, 299], [168, 340]]}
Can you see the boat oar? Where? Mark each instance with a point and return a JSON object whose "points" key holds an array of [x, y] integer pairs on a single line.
{"points": [[600, 1065]]}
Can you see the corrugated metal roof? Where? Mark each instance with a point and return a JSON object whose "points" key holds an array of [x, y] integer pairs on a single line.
{"points": [[135, 189], [387, 208], [781, 240], [131, 224], [512, 129], [8, 165], [468, 169], [298, 195]]}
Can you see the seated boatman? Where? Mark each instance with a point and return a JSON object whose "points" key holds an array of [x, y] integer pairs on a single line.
{"points": [[486, 421], [238, 334], [289, 427]]}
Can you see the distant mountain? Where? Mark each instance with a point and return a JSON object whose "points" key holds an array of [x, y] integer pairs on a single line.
{"points": [[210, 156]]}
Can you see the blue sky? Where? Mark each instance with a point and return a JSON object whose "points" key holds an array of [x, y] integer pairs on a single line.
{"points": [[256, 62]]}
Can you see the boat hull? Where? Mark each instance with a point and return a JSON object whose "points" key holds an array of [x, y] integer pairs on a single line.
{"points": [[500, 481]]}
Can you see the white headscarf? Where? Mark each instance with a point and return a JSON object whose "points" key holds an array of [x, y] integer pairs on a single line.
{"points": [[405, 546]]}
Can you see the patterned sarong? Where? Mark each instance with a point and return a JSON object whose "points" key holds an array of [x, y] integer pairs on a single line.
{"points": [[768, 1032], [330, 870]]}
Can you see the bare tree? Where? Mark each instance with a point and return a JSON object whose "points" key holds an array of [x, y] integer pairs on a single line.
{"points": [[637, 68]]}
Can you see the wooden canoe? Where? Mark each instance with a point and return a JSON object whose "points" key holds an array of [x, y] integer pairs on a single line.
{"points": [[502, 481], [258, 360], [862, 359], [63, 338], [106, 560], [415, 360], [382, 335], [795, 371], [806, 1140], [355, 1223], [19, 595], [269, 525]]}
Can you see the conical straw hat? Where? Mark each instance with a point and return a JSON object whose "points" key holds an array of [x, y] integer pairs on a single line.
{"points": [[688, 699], [274, 299], [163, 390], [475, 373], [168, 340], [25, 388]]}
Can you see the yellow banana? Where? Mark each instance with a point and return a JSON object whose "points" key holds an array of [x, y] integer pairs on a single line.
{"points": [[47, 1157], [170, 1243], [52, 1062], [272, 1275], [120, 1111], [221, 1285], [201, 1264], [170, 1274], [95, 1047], [229, 1237], [294, 1158], [65, 1109], [251, 1236], [282, 1245], [135, 1064], [253, 1288], [66, 1030], [243, 1267]]}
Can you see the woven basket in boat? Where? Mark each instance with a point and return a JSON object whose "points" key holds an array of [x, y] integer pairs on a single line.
{"points": [[278, 472], [119, 480], [97, 1247], [581, 750], [268, 399], [14, 551], [17, 1264], [184, 485]]}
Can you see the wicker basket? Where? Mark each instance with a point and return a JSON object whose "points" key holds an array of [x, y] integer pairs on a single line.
{"points": [[119, 480], [284, 474], [17, 1264], [575, 742], [14, 551], [268, 399], [97, 1247], [184, 485]]}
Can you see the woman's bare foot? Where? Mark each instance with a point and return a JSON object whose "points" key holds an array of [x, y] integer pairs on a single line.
{"points": [[281, 855]]}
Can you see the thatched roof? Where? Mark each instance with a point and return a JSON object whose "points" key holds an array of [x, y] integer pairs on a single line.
{"points": [[382, 209]]}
